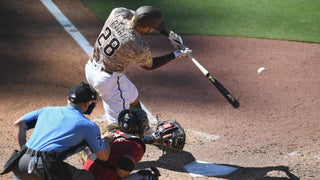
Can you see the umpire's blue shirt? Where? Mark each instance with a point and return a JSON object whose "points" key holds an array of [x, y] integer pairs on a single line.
{"points": [[58, 128]]}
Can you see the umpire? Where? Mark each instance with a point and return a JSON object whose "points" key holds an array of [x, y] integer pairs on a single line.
{"points": [[58, 133]]}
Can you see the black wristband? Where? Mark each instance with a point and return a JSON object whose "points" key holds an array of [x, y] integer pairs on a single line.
{"points": [[162, 60], [165, 32]]}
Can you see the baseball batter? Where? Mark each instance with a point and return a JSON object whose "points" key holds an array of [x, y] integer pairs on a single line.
{"points": [[120, 43]]}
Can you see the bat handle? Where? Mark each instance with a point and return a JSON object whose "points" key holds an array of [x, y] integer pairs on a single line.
{"points": [[202, 69]]}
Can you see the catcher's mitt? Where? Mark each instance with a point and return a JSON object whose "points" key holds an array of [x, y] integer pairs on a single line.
{"points": [[170, 134]]}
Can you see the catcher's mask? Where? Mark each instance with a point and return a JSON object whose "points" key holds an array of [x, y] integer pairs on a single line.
{"points": [[133, 121], [148, 16], [83, 93]]}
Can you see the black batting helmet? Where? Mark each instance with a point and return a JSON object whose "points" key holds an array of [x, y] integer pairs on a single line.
{"points": [[133, 121], [148, 16]]}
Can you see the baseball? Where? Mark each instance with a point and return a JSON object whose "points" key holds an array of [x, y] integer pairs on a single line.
{"points": [[261, 69]]}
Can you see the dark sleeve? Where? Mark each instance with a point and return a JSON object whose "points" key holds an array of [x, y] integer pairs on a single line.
{"points": [[30, 119], [164, 32], [31, 124], [126, 163], [135, 151], [160, 61]]}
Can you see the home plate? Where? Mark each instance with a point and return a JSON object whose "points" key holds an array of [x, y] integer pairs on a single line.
{"points": [[206, 169]]}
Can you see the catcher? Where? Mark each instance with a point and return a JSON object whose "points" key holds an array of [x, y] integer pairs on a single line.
{"points": [[128, 146]]}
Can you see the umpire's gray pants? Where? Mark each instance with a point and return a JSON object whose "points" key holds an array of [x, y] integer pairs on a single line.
{"points": [[21, 170]]}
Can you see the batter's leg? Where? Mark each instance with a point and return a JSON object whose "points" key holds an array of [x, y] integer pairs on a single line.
{"points": [[136, 104]]}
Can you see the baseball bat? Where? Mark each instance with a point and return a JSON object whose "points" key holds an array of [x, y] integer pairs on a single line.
{"points": [[231, 99]]}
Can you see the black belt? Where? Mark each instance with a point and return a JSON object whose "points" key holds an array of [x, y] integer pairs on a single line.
{"points": [[45, 154], [32, 152]]}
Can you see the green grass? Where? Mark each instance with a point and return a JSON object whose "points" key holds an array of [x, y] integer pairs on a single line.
{"points": [[296, 20]]}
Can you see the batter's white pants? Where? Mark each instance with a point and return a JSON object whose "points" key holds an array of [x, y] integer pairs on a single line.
{"points": [[116, 90]]}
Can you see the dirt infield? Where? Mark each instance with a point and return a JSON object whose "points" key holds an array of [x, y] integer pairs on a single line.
{"points": [[273, 135]]}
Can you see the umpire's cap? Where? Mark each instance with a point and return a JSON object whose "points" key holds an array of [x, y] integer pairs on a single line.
{"points": [[148, 16], [82, 92]]}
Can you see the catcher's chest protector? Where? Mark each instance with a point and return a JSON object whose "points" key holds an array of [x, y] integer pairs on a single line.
{"points": [[121, 136]]}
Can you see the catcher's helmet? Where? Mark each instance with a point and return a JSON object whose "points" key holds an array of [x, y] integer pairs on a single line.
{"points": [[133, 121], [82, 93], [148, 16]]}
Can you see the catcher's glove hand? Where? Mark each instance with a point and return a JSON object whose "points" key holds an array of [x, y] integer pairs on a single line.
{"points": [[170, 134]]}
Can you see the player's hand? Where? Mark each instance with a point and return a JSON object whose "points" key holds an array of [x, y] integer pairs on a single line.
{"points": [[182, 52], [166, 139], [175, 39], [108, 137]]}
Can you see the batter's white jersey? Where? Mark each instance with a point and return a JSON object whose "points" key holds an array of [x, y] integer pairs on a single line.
{"points": [[118, 44], [116, 47]]}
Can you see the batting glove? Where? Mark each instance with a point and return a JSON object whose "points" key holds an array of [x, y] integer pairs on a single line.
{"points": [[175, 39], [182, 52]]}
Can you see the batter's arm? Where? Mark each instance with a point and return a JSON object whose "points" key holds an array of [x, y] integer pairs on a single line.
{"points": [[176, 42], [164, 32], [160, 61]]}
